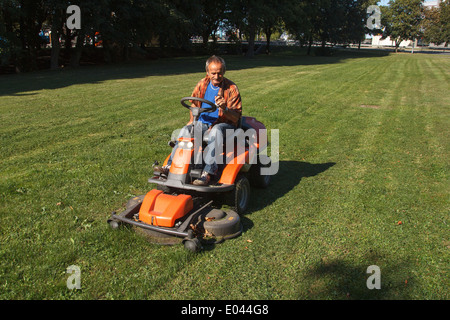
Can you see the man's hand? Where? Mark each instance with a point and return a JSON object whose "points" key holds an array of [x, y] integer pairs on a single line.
{"points": [[220, 101]]}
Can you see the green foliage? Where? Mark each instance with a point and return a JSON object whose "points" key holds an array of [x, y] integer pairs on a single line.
{"points": [[340, 21], [445, 21], [436, 24], [402, 20], [124, 26]]}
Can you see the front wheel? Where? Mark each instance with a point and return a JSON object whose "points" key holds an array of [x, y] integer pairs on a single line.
{"points": [[193, 245]]}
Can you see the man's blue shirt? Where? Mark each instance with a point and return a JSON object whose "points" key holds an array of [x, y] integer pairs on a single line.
{"points": [[210, 94]]}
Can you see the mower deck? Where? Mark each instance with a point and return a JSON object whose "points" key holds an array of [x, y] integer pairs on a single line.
{"points": [[204, 224]]}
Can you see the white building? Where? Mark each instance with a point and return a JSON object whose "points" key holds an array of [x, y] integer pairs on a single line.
{"points": [[378, 41]]}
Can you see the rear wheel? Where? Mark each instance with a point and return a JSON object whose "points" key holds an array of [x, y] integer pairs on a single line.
{"points": [[239, 198], [257, 179]]}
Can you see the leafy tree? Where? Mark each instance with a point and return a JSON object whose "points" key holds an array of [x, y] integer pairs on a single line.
{"points": [[211, 17], [9, 43], [56, 11], [246, 15], [297, 19], [305, 20], [431, 25], [21, 22], [177, 22], [436, 23], [252, 16], [272, 18], [402, 20], [445, 21], [355, 26]]}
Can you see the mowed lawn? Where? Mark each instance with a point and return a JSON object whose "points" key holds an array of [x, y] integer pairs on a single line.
{"points": [[363, 180]]}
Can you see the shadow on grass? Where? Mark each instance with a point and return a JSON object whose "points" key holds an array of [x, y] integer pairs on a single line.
{"points": [[339, 279], [336, 278], [289, 175], [19, 84]]}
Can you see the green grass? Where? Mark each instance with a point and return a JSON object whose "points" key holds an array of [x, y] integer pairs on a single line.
{"points": [[77, 144]]}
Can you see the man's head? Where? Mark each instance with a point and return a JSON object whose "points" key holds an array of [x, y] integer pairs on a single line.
{"points": [[215, 69]]}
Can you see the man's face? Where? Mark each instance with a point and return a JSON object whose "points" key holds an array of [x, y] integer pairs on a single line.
{"points": [[215, 73]]}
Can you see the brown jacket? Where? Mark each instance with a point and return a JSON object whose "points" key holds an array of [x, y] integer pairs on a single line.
{"points": [[228, 90]]}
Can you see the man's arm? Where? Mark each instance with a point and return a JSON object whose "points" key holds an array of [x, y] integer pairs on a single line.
{"points": [[232, 106], [230, 114]]}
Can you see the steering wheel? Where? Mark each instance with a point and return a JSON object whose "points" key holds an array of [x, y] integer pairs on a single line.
{"points": [[196, 111]]}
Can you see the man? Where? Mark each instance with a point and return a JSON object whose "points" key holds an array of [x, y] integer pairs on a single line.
{"points": [[225, 94]]}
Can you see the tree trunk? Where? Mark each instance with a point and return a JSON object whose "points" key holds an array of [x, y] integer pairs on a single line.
{"points": [[107, 51], [76, 56], [125, 53], [67, 44], [55, 35], [205, 37], [251, 43], [309, 45], [268, 35], [54, 60]]}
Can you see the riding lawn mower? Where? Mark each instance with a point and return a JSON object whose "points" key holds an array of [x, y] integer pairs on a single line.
{"points": [[179, 211]]}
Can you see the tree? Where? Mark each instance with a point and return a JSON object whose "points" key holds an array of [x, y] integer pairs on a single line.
{"points": [[246, 15], [271, 20], [210, 18], [252, 16], [304, 19], [402, 20], [436, 23], [431, 25], [339, 21], [355, 27], [176, 24], [9, 43], [445, 21], [296, 19]]}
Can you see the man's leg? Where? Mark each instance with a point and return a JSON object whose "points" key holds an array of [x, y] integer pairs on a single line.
{"points": [[216, 139]]}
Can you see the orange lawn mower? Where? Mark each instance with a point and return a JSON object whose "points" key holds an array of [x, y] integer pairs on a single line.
{"points": [[179, 211]]}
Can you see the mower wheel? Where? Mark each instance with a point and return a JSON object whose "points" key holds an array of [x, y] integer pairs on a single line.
{"points": [[239, 198], [193, 245], [114, 224], [257, 179]]}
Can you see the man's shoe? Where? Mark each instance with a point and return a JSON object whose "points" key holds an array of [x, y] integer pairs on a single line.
{"points": [[162, 169], [203, 180]]}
